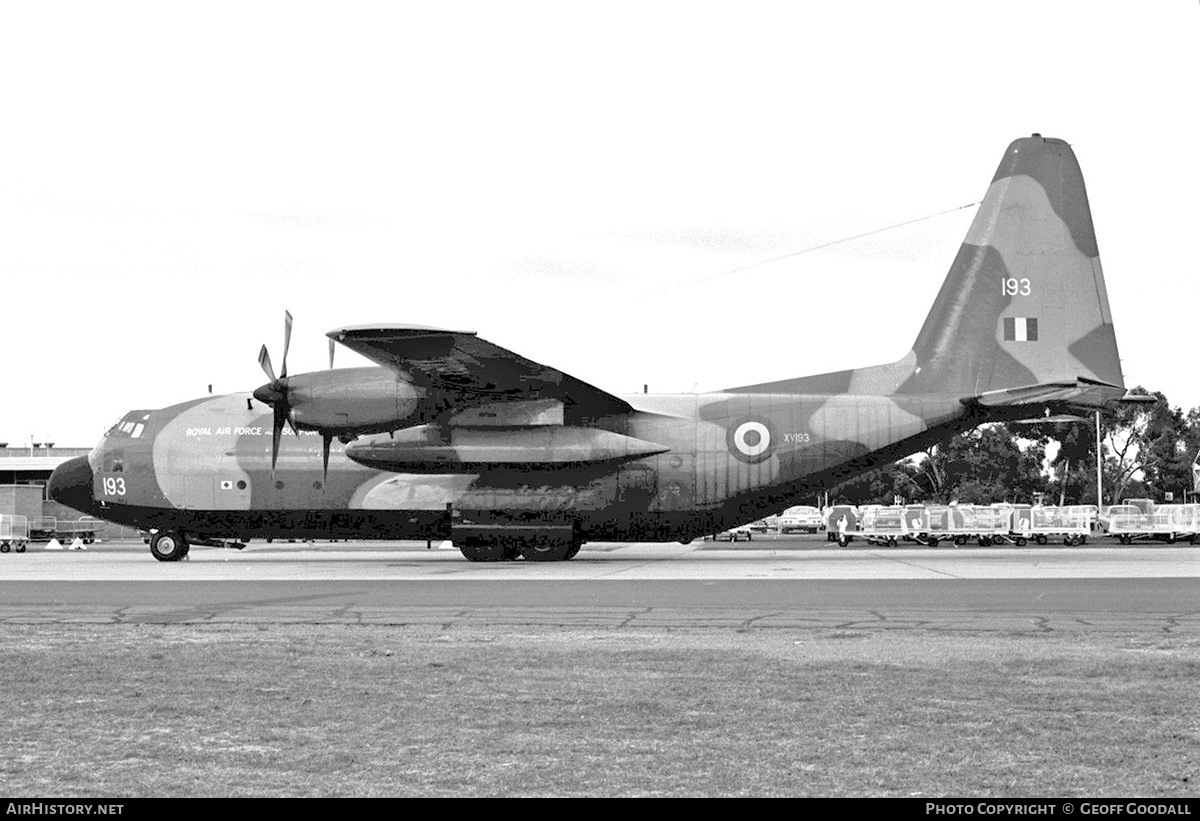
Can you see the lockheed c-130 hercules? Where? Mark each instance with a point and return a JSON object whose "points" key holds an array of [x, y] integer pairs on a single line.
{"points": [[453, 437]]}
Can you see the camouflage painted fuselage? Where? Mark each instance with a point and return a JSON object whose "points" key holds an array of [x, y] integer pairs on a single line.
{"points": [[205, 467]]}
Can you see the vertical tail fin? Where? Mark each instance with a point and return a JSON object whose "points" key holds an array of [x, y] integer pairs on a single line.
{"points": [[1024, 302]]}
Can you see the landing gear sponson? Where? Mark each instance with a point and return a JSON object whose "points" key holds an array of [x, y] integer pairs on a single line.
{"points": [[478, 544]]}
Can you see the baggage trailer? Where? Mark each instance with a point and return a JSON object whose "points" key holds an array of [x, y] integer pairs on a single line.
{"points": [[879, 526], [982, 524], [1089, 513], [936, 525], [1108, 514], [888, 526], [48, 527], [14, 533], [1073, 526], [1166, 523]]}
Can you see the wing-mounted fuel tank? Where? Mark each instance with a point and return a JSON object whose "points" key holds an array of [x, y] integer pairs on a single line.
{"points": [[459, 449]]}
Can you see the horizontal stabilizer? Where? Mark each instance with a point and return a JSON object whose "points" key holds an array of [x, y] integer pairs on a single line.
{"points": [[1054, 418], [1082, 393]]}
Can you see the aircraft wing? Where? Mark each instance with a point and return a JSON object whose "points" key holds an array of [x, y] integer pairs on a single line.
{"points": [[461, 361], [1082, 393]]}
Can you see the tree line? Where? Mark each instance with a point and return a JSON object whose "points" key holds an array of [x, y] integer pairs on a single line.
{"points": [[1147, 452]]}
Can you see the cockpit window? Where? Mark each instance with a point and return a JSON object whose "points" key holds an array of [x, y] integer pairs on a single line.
{"points": [[130, 426]]}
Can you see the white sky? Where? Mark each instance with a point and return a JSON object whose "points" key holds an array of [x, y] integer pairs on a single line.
{"points": [[566, 179]]}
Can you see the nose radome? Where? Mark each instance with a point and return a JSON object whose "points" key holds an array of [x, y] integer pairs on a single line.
{"points": [[71, 484]]}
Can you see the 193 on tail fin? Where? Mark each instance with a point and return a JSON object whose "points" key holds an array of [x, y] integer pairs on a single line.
{"points": [[1024, 303]]}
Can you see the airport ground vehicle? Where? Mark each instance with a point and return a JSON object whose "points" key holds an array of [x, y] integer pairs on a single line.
{"points": [[735, 534], [14, 533], [983, 524], [65, 530], [999, 523], [1041, 524], [801, 519], [1164, 523]]}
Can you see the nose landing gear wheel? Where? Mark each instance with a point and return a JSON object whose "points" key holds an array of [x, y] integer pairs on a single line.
{"points": [[168, 546]]}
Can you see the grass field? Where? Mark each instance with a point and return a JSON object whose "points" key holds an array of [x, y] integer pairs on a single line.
{"points": [[338, 710]]}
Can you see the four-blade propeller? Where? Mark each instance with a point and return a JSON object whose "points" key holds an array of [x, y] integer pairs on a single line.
{"points": [[278, 394], [275, 392]]}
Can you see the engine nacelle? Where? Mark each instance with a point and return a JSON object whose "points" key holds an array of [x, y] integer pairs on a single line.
{"points": [[352, 401]]}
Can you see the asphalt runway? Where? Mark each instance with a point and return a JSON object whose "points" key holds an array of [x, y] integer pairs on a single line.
{"points": [[793, 583]]}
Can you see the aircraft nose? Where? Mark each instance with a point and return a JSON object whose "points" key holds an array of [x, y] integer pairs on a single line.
{"points": [[71, 484]]}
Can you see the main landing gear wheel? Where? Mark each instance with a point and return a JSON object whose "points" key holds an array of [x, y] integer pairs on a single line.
{"points": [[168, 545], [487, 552], [548, 551]]}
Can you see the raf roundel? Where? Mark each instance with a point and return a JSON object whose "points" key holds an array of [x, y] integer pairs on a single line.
{"points": [[750, 440]]}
